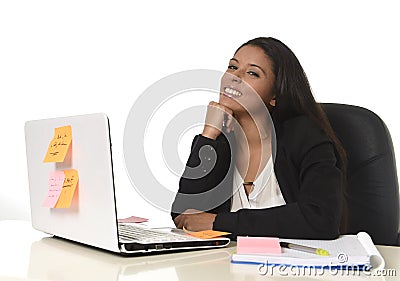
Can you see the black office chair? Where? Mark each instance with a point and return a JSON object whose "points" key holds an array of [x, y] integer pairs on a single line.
{"points": [[372, 185]]}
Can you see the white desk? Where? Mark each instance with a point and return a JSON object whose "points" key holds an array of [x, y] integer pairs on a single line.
{"points": [[33, 256]]}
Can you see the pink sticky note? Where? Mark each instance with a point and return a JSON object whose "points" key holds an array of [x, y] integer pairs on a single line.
{"points": [[133, 219], [258, 245], [56, 180]]}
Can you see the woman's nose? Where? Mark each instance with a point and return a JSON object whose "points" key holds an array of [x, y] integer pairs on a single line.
{"points": [[236, 78]]}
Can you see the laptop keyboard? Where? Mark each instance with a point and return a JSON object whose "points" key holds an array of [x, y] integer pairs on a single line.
{"points": [[145, 235]]}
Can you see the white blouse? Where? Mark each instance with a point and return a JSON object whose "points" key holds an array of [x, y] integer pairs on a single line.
{"points": [[266, 192]]}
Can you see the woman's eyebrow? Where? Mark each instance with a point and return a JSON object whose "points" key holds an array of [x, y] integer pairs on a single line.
{"points": [[251, 64], [258, 67]]}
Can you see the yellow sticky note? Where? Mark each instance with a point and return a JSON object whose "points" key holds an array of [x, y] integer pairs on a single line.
{"points": [[206, 234], [59, 145], [68, 189]]}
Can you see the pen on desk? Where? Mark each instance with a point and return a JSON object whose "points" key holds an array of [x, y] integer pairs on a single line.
{"points": [[317, 251]]}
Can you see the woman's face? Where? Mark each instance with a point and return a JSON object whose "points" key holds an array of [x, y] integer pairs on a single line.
{"points": [[248, 78]]}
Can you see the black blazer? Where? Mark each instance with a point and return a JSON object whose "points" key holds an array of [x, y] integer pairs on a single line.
{"points": [[307, 171]]}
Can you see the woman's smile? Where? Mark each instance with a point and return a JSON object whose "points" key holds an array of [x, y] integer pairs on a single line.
{"points": [[230, 92]]}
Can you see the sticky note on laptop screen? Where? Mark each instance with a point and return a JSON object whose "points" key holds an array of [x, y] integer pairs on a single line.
{"points": [[258, 245], [55, 185], [68, 189], [59, 145]]}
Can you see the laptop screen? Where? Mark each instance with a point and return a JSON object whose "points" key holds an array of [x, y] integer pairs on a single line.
{"points": [[87, 212]]}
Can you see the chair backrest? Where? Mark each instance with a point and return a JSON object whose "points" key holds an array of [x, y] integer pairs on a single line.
{"points": [[372, 185]]}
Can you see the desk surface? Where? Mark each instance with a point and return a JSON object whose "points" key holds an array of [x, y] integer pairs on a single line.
{"points": [[27, 254]]}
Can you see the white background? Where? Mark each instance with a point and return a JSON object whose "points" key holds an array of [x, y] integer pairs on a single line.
{"points": [[61, 58]]}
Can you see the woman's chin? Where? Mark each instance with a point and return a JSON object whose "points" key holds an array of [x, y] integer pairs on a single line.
{"points": [[226, 100]]}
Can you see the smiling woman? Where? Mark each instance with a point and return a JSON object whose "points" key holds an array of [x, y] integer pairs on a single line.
{"points": [[291, 188]]}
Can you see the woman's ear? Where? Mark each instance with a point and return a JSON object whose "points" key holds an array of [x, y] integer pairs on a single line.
{"points": [[272, 102]]}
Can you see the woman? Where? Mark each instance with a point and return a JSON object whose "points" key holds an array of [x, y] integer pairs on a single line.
{"points": [[246, 189]]}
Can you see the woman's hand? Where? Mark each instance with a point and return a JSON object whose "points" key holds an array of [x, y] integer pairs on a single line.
{"points": [[195, 220], [218, 116]]}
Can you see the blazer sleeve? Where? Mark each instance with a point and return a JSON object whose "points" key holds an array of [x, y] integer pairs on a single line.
{"points": [[203, 185], [307, 170]]}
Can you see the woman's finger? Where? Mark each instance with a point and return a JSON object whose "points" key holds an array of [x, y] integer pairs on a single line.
{"points": [[179, 221], [214, 120], [229, 121]]}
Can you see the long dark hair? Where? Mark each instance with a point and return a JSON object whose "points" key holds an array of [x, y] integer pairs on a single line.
{"points": [[294, 96]]}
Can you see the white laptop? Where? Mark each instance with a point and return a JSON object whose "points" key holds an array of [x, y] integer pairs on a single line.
{"points": [[91, 217], [51, 257]]}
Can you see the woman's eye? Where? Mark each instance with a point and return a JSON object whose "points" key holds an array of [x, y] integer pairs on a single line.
{"points": [[232, 67], [252, 73]]}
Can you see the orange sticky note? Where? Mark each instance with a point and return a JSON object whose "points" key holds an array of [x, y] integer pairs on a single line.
{"points": [[59, 145], [206, 234], [56, 181], [68, 189]]}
